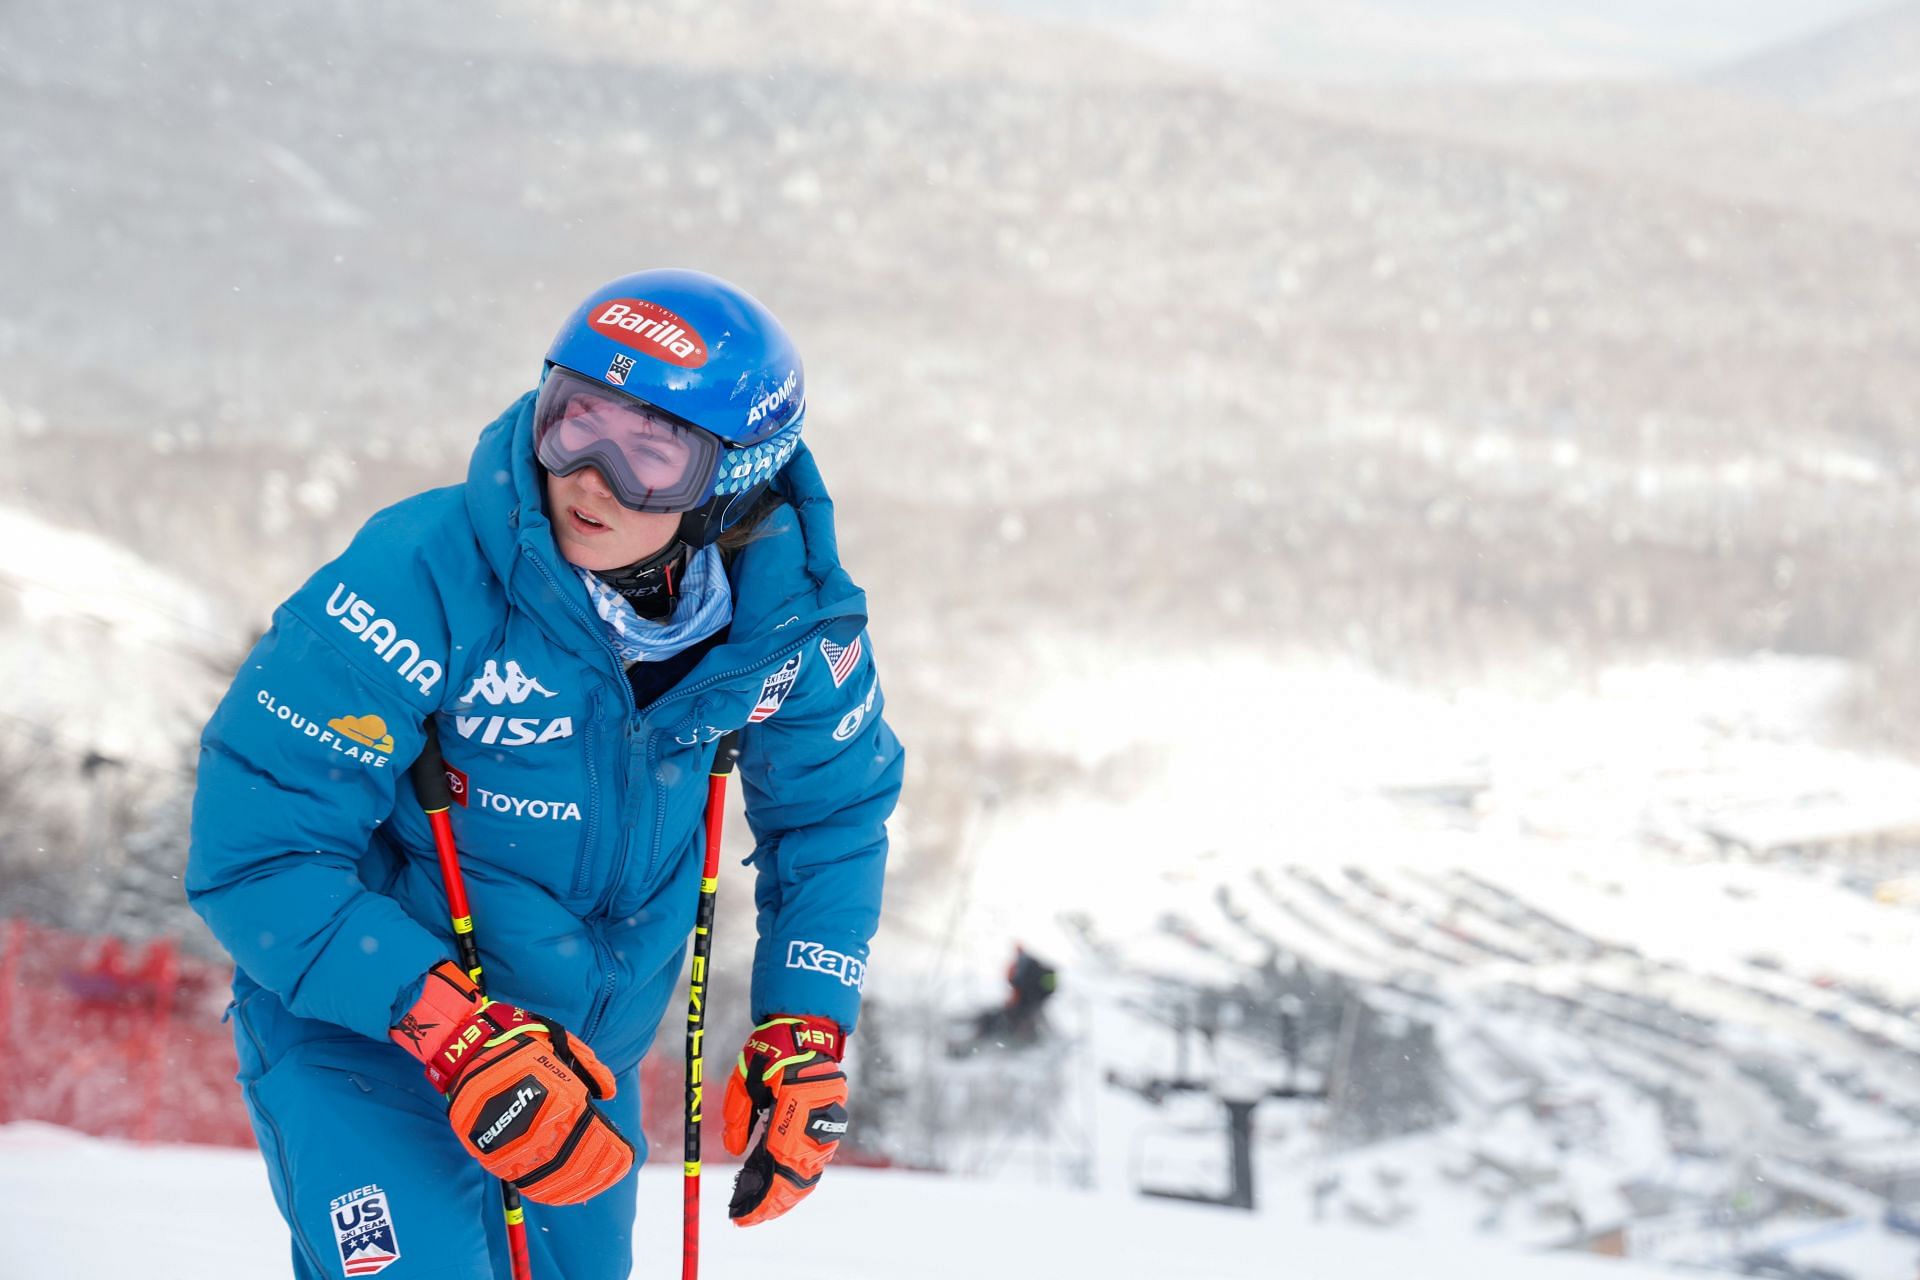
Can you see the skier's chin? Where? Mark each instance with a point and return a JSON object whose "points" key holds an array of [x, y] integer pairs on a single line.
{"points": [[592, 558]]}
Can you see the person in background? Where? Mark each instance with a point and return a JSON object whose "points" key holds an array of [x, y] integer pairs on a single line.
{"points": [[641, 560]]}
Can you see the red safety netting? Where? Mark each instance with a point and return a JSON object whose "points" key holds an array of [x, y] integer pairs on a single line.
{"points": [[129, 1040], [132, 1045]]}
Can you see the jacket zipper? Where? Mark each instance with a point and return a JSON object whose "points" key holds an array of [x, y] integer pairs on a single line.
{"points": [[604, 1000], [592, 832], [660, 791], [601, 1001], [593, 625], [779, 656], [659, 788], [608, 974]]}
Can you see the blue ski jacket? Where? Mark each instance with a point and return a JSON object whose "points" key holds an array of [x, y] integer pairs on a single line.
{"points": [[578, 815]]}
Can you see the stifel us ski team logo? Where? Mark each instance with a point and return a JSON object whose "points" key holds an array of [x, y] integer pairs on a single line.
{"points": [[775, 689], [841, 659], [363, 1228]]}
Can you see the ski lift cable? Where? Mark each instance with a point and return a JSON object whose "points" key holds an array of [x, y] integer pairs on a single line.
{"points": [[934, 982], [971, 841]]}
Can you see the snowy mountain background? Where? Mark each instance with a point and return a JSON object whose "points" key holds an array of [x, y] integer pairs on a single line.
{"points": [[1412, 556]]}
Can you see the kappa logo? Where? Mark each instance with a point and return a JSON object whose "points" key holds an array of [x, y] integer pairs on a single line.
{"points": [[516, 686], [363, 1228], [823, 959], [850, 722], [776, 687], [362, 618], [513, 687], [651, 329], [359, 738], [700, 736]]}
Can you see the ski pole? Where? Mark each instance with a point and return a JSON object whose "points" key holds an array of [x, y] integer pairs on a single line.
{"points": [[723, 760], [430, 784]]}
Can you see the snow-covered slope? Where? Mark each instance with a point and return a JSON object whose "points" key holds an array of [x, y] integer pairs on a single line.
{"points": [[1628, 947], [195, 1214], [100, 650]]}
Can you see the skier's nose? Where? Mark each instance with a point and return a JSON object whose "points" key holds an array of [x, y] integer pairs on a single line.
{"points": [[594, 483]]}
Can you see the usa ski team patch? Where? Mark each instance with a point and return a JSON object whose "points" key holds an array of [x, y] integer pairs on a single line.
{"points": [[777, 687], [363, 1228], [841, 660]]}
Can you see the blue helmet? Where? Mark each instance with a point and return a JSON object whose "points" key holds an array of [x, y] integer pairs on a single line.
{"points": [[709, 357]]}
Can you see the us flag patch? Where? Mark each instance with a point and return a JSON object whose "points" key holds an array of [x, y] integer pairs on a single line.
{"points": [[363, 1228], [841, 659], [777, 687]]}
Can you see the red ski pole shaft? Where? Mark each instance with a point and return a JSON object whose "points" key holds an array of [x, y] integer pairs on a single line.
{"points": [[430, 784], [723, 760]]}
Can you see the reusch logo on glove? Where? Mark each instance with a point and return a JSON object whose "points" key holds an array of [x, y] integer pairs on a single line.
{"points": [[650, 328], [508, 1124], [828, 1123]]}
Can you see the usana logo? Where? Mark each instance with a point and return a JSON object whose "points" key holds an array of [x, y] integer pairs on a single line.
{"points": [[361, 617]]}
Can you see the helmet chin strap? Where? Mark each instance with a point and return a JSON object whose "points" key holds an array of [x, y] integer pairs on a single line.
{"points": [[651, 585]]}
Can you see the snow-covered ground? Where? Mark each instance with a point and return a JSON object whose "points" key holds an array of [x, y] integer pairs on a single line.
{"points": [[1653, 920], [199, 1214], [1629, 798]]}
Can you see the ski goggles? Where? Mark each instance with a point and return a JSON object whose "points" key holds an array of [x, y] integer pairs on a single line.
{"points": [[651, 460]]}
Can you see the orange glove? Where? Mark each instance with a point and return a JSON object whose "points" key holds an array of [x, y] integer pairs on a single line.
{"points": [[789, 1076], [517, 1090]]}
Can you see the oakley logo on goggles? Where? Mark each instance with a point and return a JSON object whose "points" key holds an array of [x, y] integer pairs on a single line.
{"points": [[651, 461]]}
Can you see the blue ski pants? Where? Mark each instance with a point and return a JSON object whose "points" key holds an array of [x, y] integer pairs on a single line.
{"points": [[371, 1179]]}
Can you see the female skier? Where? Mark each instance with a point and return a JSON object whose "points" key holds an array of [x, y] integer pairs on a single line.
{"points": [[641, 559]]}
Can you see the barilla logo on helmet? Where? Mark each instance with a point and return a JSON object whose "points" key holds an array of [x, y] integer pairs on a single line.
{"points": [[651, 329]]}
